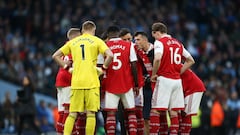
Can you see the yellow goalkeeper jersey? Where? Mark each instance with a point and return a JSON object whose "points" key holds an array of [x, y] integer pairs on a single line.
{"points": [[84, 50]]}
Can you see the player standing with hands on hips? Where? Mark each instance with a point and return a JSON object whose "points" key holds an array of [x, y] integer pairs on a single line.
{"points": [[63, 85], [85, 94], [168, 91]]}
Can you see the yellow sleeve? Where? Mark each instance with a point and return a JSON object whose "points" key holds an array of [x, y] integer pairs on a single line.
{"points": [[66, 48], [102, 46]]}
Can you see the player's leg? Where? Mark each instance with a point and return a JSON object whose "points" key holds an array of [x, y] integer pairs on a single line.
{"points": [[139, 112], [80, 123], [102, 106], [92, 103], [160, 101], [176, 105], [121, 118], [185, 124], [129, 105], [76, 105], [111, 104], [66, 91], [163, 123], [147, 94], [60, 123], [192, 103]]}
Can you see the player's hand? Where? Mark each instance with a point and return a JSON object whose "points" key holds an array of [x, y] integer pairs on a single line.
{"points": [[154, 78], [70, 70], [136, 91], [100, 71], [68, 65]]}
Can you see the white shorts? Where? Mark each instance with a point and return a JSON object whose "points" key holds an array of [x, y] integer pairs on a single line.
{"points": [[168, 94], [192, 103], [63, 96], [112, 100], [139, 98]]}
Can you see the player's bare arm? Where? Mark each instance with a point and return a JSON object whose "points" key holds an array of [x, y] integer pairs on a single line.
{"points": [[57, 56], [188, 62], [135, 76], [156, 65], [109, 57]]}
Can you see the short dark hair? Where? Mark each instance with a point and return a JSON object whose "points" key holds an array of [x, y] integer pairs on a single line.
{"points": [[124, 31], [104, 36], [140, 33], [113, 29], [159, 27]]}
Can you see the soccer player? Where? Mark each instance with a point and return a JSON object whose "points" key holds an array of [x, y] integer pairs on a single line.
{"points": [[63, 85], [119, 81], [145, 55], [126, 35], [85, 83], [168, 92], [192, 97]]}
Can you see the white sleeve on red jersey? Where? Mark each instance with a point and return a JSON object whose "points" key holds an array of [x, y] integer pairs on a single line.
{"points": [[186, 53], [133, 56], [158, 47], [100, 59]]}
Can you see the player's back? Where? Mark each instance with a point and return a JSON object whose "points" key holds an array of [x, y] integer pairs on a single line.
{"points": [[84, 50], [119, 76], [171, 58], [191, 83]]}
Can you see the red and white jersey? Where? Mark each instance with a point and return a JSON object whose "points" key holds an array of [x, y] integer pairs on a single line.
{"points": [[191, 83], [119, 76], [145, 58], [63, 78], [172, 52], [139, 69]]}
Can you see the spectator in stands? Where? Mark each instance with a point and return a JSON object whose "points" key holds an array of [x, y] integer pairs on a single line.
{"points": [[27, 101], [8, 115]]}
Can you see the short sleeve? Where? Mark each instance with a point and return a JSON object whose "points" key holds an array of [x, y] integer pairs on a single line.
{"points": [[66, 48], [133, 56], [102, 46], [158, 47]]}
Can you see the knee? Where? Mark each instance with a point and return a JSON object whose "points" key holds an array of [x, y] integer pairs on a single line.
{"points": [[91, 114], [73, 115]]}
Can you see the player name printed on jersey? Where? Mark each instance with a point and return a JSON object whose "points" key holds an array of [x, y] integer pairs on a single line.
{"points": [[117, 47], [171, 42]]}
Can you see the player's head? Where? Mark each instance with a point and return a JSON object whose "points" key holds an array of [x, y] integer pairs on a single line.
{"points": [[125, 34], [89, 27], [113, 31], [141, 39], [158, 29], [73, 32], [104, 36]]}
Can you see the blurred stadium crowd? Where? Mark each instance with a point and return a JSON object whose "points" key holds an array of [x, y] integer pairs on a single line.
{"points": [[31, 30]]}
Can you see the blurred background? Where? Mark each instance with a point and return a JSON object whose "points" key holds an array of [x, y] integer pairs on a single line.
{"points": [[31, 30]]}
